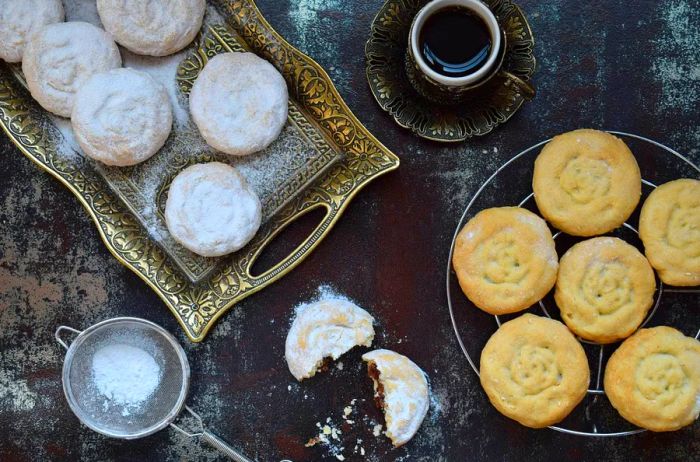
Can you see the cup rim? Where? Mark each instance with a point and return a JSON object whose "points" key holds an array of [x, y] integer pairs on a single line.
{"points": [[494, 29]]}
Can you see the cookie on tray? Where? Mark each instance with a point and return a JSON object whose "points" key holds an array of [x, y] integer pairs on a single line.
{"points": [[505, 259], [21, 18], [653, 379], [669, 226], [121, 117], [586, 182], [211, 210], [59, 58], [239, 103], [534, 370], [400, 390], [604, 289], [325, 330], [152, 27]]}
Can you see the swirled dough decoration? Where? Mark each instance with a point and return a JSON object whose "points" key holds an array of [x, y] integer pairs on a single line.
{"points": [[669, 226], [121, 117], [586, 182], [21, 18], [653, 379], [505, 259], [325, 329], [211, 210], [61, 57], [152, 27], [400, 390], [604, 289], [534, 370]]}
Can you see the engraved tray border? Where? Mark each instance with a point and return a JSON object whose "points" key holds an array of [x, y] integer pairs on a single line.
{"points": [[198, 306]]}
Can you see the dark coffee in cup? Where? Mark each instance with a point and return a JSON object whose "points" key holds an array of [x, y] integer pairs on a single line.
{"points": [[454, 41]]}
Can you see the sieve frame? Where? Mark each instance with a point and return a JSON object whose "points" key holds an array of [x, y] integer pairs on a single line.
{"points": [[597, 391], [80, 339]]}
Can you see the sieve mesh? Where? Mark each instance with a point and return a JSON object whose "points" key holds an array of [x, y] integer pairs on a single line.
{"points": [[132, 419]]}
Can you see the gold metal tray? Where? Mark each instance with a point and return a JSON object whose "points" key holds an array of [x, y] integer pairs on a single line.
{"points": [[198, 305]]}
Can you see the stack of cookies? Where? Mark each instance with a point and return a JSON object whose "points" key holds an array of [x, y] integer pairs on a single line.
{"points": [[534, 369]]}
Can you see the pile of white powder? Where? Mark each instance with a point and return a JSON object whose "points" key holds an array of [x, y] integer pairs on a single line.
{"points": [[125, 375]]}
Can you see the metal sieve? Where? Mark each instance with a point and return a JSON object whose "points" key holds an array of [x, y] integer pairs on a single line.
{"points": [[154, 413]]}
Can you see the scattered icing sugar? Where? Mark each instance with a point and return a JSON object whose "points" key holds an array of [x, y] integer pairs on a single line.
{"points": [[125, 375]]}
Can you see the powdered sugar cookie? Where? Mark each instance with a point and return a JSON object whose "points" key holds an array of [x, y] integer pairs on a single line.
{"points": [[211, 210], [19, 19], [152, 27], [400, 390], [239, 103], [325, 329], [121, 117], [61, 57]]}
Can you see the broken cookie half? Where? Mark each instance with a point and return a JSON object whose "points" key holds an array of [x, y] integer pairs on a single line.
{"points": [[400, 390], [325, 330]]}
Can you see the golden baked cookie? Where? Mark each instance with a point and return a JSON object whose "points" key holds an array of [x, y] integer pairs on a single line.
{"points": [[653, 379], [669, 226], [586, 182], [505, 259], [604, 289], [534, 370]]}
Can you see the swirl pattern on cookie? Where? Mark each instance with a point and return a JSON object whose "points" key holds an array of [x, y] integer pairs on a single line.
{"points": [[505, 259], [653, 379], [669, 226], [20, 19], [604, 289], [586, 182], [534, 371], [61, 57], [121, 117], [152, 27]]}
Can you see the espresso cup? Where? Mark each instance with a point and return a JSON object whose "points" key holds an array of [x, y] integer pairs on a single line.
{"points": [[452, 89]]}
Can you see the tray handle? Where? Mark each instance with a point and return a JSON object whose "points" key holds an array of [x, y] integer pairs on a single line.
{"points": [[301, 251]]}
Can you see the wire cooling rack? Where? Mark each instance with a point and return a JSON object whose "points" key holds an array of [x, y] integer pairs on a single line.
{"points": [[511, 184]]}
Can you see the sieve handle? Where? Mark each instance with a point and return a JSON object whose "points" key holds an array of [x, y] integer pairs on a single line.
{"points": [[223, 446], [58, 334]]}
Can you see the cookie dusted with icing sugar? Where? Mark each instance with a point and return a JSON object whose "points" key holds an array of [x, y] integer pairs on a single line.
{"points": [[604, 289], [505, 259], [653, 379], [19, 19], [400, 390], [152, 27], [239, 103], [325, 330], [534, 371], [586, 182], [211, 210], [669, 226], [121, 117], [61, 57]]}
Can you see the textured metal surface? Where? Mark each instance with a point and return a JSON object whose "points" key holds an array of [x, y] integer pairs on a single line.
{"points": [[198, 304], [600, 64], [399, 89]]}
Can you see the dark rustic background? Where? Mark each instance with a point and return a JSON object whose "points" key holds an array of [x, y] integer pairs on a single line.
{"points": [[614, 64]]}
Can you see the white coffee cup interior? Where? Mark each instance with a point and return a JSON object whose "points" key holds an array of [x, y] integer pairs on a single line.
{"points": [[477, 8]]}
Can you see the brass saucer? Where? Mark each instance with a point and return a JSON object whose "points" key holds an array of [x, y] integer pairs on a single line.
{"points": [[484, 109]]}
